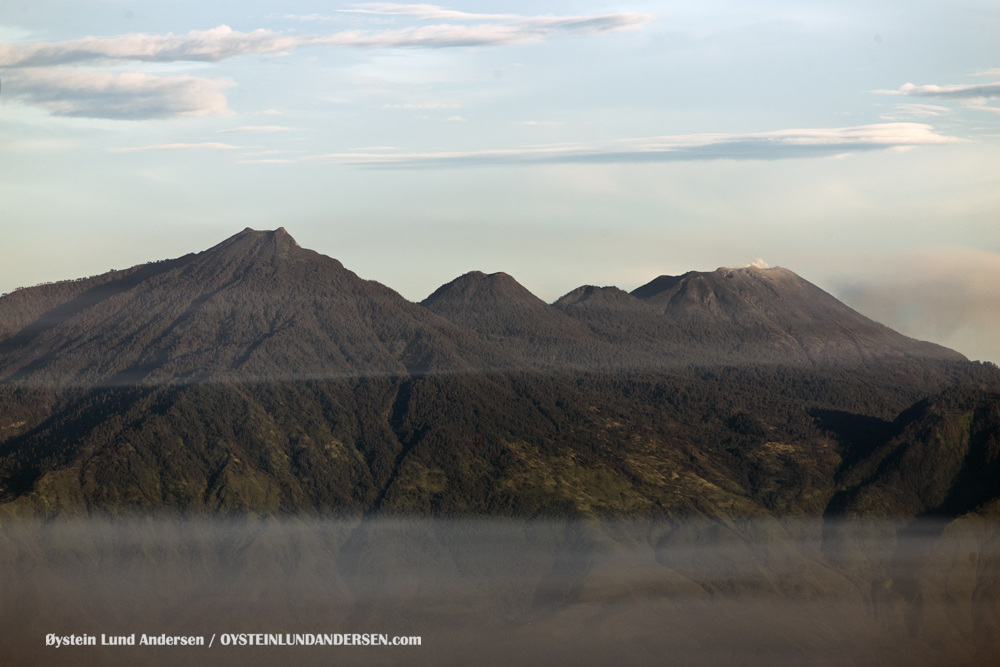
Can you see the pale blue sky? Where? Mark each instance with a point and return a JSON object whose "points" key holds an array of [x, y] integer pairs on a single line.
{"points": [[564, 143]]}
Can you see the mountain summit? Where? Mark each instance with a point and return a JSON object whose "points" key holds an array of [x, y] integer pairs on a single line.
{"points": [[499, 309], [255, 307], [773, 315]]}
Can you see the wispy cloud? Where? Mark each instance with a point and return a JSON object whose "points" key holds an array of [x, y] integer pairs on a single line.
{"points": [[425, 105], [907, 112], [952, 92], [255, 153], [421, 11], [593, 24], [255, 129], [309, 17], [923, 109], [198, 45], [453, 118], [782, 144], [132, 95], [995, 72], [223, 42], [485, 34], [174, 147]]}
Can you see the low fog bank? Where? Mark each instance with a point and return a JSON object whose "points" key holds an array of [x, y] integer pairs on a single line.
{"points": [[507, 592]]}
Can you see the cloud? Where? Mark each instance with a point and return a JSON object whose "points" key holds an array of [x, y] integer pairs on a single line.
{"points": [[255, 129], [781, 144], [948, 295], [540, 122], [983, 107], [266, 161], [309, 17], [223, 42], [459, 118], [174, 147], [759, 263], [922, 109], [141, 95], [486, 34], [421, 11], [950, 92], [595, 24], [995, 72], [427, 105], [132, 95], [198, 45]]}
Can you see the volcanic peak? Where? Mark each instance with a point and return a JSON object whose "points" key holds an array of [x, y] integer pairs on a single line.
{"points": [[600, 297], [485, 290]]}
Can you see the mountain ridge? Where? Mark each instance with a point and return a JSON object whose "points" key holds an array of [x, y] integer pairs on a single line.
{"points": [[232, 311], [748, 314], [258, 376], [786, 312]]}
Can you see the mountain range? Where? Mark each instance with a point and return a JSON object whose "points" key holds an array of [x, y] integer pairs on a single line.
{"points": [[264, 377]]}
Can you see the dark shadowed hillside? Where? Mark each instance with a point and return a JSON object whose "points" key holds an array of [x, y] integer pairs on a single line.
{"points": [[940, 458]]}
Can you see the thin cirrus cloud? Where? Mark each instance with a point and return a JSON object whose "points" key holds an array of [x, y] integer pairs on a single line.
{"points": [[198, 45], [782, 144], [131, 95], [255, 129], [951, 92], [593, 24], [426, 105], [208, 145], [223, 42], [923, 109], [419, 11], [422, 11], [309, 17]]}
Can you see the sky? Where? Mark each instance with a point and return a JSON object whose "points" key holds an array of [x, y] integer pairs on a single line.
{"points": [[607, 143]]}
